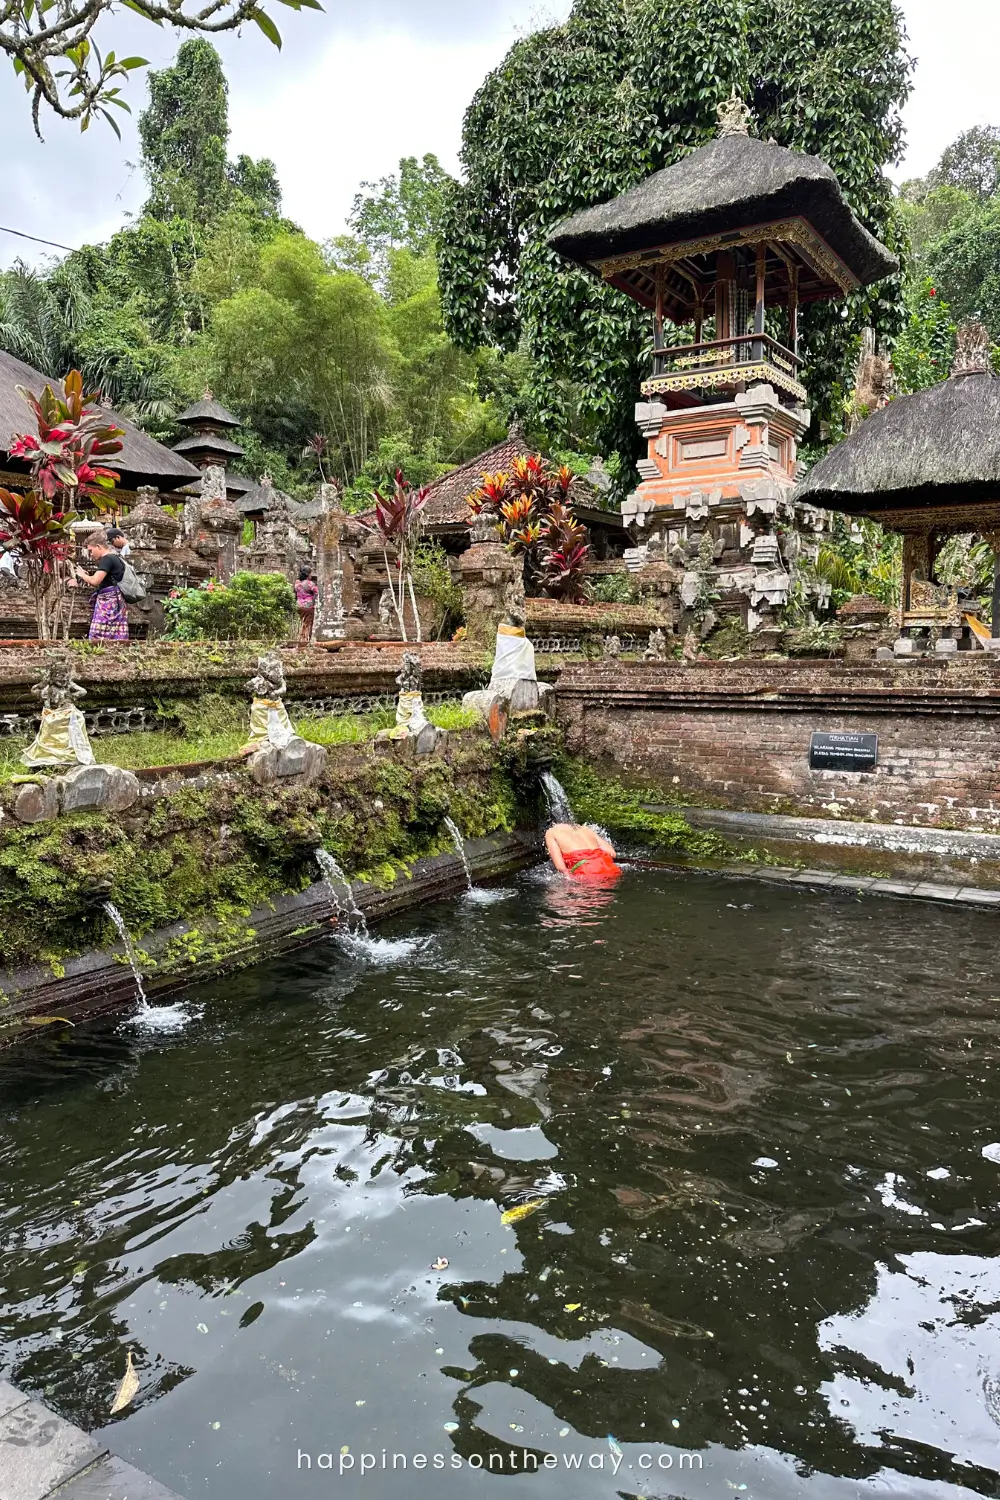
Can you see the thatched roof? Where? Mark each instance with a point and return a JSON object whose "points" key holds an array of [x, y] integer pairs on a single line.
{"points": [[142, 459], [207, 413], [734, 182], [260, 498], [208, 442], [936, 447]]}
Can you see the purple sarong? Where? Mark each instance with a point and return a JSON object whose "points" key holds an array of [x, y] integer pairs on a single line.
{"points": [[109, 621]]}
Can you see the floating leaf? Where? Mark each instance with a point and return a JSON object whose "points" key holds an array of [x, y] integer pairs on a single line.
{"points": [[47, 1021], [572, 1306], [127, 1390], [441, 1264], [514, 1215]]}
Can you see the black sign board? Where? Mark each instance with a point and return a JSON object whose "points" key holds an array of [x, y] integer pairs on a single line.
{"points": [[843, 752]]}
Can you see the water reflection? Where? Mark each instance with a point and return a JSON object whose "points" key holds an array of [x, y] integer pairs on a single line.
{"points": [[751, 1135]]}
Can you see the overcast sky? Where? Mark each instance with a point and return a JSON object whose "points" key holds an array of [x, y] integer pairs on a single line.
{"points": [[362, 84]]}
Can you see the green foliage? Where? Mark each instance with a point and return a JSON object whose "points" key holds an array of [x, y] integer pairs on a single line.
{"points": [[400, 211], [872, 558], [926, 346], [433, 579], [613, 588], [253, 607], [825, 639], [606, 800], [183, 132], [971, 163], [580, 112]]}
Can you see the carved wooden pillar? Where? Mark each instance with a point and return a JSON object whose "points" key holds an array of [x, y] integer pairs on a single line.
{"points": [[725, 278], [758, 316], [793, 309]]}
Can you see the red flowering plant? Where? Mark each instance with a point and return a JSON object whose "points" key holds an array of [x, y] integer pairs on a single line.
{"points": [[397, 521], [534, 521], [65, 457]]}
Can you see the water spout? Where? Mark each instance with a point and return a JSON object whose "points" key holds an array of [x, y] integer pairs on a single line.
{"points": [[560, 810], [459, 842], [332, 873], [119, 923]]}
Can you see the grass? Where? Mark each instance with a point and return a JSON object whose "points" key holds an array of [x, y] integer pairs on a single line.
{"points": [[215, 728]]}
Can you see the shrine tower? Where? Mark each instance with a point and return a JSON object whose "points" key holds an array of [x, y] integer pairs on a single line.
{"points": [[736, 231]]}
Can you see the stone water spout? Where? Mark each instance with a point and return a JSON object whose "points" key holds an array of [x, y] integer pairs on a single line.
{"points": [[118, 921], [334, 876]]}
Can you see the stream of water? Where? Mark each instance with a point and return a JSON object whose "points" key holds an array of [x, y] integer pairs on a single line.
{"points": [[747, 1141], [336, 881], [459, 842], [560, 810]]}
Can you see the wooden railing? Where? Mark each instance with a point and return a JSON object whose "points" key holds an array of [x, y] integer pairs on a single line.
{"points": [[745, 349]]}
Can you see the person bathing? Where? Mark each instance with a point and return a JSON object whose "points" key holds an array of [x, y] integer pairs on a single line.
{"points": [[581, 853]]}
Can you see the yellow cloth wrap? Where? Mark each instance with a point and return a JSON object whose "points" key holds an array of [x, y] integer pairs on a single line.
{"points": [[410, 717], [61, 740], [269, 724], [517, 630]]}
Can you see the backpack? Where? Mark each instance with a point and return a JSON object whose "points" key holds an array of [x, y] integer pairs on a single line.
{"points": [[132, 590]]}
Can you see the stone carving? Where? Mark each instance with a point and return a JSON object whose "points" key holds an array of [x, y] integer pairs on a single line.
{"points": [[411, 721], [733, 116], [327, 532], [515, 609], [385, 613], [62, 735], [973, 351], [656, 650], [410, 673], [612, 647], [691, 649], [269, 721]]}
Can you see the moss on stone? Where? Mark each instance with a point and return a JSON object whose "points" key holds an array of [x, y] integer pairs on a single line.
{"points": [[606, 800]]}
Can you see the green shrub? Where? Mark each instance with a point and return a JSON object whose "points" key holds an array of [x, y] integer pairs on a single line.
{"points": [[613, 588], [253, 607]]}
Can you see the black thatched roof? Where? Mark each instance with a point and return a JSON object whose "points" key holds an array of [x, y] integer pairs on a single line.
{"points": [[142, 459], [734, 182], [259, 499], [936, 447], [207, 412], [208, 442]]}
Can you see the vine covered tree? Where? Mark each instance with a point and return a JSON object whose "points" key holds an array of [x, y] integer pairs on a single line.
{"points": [[580, 112]]}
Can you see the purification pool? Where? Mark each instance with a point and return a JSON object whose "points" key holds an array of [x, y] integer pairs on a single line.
{"points": [[755, 1134]]}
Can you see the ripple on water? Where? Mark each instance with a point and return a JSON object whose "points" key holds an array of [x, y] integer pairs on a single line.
{"points": [[163, 1019], [382, 952]]}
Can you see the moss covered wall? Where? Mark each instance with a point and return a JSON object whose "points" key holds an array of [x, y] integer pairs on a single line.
{"points": [[216, 850]]}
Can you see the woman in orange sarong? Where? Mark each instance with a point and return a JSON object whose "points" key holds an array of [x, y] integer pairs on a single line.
{"points": [[581, 853]]}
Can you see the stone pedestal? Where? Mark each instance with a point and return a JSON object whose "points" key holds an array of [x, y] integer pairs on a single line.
{"points": [[728, 471], [213, 525]]}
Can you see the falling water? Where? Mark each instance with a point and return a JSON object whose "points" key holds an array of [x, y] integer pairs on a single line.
{"points": [[332, 872], [130, 953], [560, 810], [459, 842]]}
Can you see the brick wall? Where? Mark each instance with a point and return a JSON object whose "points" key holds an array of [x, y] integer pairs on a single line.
{"points": [[737, 734]]}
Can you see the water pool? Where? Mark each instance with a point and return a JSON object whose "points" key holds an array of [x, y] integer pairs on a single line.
{"points": [[756, 1132]]}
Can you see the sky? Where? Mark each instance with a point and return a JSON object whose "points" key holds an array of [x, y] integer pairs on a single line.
{"points": [[359, 86]]}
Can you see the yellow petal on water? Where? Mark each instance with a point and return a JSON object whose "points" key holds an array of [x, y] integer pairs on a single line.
{"points": [[572, 1306], [128, 1388], [514, 1215]]}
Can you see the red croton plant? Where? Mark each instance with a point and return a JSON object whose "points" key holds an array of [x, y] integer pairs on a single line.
{"points": [[397, 520], [65, 457], [535, 521]]}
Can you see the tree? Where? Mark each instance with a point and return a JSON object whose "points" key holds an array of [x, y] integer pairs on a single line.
{"points": [[86, 81], [965, 265], [402, 210], [580, 112], [971, 163]]}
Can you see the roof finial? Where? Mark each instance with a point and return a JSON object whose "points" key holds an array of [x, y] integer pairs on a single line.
{"points": [[973, 352], [207, 394], [734, 116]]}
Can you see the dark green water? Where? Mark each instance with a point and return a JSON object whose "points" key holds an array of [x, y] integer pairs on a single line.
{"points": [[769, 1234]]}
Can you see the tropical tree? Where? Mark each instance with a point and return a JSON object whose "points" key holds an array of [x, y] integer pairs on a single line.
{"points": [[397, 521], [57, 58], [580, 112], [72, 437]]}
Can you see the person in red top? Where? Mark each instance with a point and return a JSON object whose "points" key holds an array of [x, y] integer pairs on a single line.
{"points": [[306, 594], [581, 854]]}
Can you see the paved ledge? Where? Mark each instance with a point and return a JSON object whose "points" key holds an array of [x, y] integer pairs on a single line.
{"points": [[920, 890], [890, 838], [42, 1455]]}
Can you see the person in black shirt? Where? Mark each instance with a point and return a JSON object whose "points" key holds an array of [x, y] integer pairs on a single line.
{"points": [[109, 617]]}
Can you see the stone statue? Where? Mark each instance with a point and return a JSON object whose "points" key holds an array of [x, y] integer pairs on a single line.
{"points": [[733, 116], [385, 611], [62, 738], [269, 721], [409, 677], [515, 608], [612, 647], [411, 721], [973, 351], [691, 649], [656, 650]]}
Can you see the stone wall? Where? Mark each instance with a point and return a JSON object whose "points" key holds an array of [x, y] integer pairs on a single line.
{"points": [[737, 734]]}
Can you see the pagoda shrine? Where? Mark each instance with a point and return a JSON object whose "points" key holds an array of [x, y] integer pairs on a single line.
{"points": [[207, 442], [735, 232]]}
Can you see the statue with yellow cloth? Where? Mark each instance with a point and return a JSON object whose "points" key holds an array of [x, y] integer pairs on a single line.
{"points": [[269, 721], [514, 660], [410, 716], [62, 738]]}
